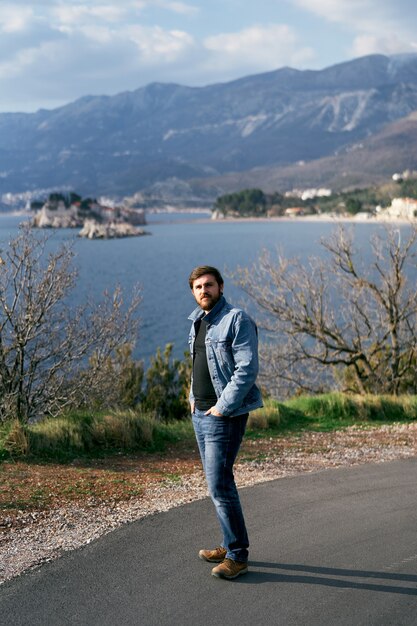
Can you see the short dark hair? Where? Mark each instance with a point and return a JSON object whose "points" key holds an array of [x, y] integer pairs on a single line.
{"points": [[201, 270]]}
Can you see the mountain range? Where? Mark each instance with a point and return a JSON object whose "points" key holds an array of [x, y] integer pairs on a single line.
{"points": [[349, 124]]}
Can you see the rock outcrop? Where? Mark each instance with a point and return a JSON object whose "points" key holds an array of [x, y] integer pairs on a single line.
{"points": [[110, 230], [97, 221], [57, 216]]}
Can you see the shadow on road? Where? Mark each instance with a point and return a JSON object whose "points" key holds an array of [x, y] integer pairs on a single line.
{"points": [[328, 577]]}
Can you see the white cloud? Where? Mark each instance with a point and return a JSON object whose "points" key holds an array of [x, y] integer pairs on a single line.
{"points": [[75, 15], [180, 7], [90, 59], [257, 47], [381, 26], [12, 68], [52, 51], [156, 45], [88, 50], [391, 44], [14, 19], [99, 34], [338, 10]]}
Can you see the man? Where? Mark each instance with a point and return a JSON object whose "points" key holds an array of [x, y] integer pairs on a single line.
{"points": [[224, 347]]}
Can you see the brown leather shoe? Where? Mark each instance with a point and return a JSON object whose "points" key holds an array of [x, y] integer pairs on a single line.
{"points": [[229, 569], [213, 556]]}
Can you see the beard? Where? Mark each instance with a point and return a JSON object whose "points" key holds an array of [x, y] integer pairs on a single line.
{"points": [[208, 302]]}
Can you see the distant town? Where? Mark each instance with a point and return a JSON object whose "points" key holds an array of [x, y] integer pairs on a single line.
{"points": [[105, 217], [395, 200]]}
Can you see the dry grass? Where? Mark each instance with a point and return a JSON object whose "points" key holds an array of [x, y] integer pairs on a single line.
{"points": [[30, 489]]}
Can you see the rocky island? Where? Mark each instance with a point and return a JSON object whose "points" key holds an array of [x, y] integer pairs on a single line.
{"points": [[109, 230], [95, 220]]}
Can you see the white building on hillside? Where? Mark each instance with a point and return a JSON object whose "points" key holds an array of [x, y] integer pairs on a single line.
{"points": [[401, 208]]}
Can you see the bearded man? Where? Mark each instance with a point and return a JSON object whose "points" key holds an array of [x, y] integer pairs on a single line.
{"points": [[224, 347]]}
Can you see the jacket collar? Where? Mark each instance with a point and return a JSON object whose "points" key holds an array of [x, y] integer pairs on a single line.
{"points": [[198, 313]]}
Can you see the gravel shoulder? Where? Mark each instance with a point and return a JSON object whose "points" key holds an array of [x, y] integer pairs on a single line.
{"points": [[144, 485]]}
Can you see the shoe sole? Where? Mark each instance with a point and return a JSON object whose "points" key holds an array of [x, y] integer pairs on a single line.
{"points": [[242, 571]]}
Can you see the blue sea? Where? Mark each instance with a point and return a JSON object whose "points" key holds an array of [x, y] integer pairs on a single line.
{"points": [[161, 263]]}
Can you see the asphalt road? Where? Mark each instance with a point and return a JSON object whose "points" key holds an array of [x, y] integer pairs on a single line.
{"points": [[338, 547]]}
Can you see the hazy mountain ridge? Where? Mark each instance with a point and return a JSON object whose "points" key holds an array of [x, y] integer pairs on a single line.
{"points": [[368, 162], [134, 140]]}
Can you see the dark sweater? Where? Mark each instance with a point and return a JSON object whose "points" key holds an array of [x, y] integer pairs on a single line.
{"points": [[203, 390]]}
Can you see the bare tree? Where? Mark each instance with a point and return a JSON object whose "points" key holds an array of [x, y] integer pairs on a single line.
{"points": [[52, 354], [339, 320]]}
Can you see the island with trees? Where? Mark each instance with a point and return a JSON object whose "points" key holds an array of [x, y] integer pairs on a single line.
{"points": [[96, 221]]}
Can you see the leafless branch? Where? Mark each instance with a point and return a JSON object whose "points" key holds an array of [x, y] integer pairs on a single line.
{"points": [[338, 320], [47, 346]]}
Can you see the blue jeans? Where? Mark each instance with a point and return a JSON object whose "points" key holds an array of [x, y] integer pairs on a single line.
{"points": [[219, 439]]}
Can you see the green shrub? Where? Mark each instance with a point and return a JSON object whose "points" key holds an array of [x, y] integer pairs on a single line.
{"points": [[125, 430], [275, 415], [335, 406], [167, 386], [86, 434], [332, 410], [162, 391], [15, 441], [59, 435], [386, 408], [118, 384]]}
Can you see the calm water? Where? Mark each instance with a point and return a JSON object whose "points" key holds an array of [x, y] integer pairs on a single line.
{"points": [[161, 263]]}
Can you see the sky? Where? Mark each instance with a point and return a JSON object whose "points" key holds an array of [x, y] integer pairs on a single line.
{"points": [[53, 52]]}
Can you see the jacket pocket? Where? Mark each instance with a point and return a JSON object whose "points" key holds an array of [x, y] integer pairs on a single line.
{"points": [[223, 352]]}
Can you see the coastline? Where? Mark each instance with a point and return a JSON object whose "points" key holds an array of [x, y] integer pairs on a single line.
{"points": [[205, 218], [323, 218]]}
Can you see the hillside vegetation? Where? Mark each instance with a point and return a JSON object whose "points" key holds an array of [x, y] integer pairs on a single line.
{"points": [[257, 203], [91, 434]]}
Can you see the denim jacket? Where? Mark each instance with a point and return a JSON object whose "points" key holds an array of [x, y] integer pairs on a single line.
{"points": [[232, 357]]}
